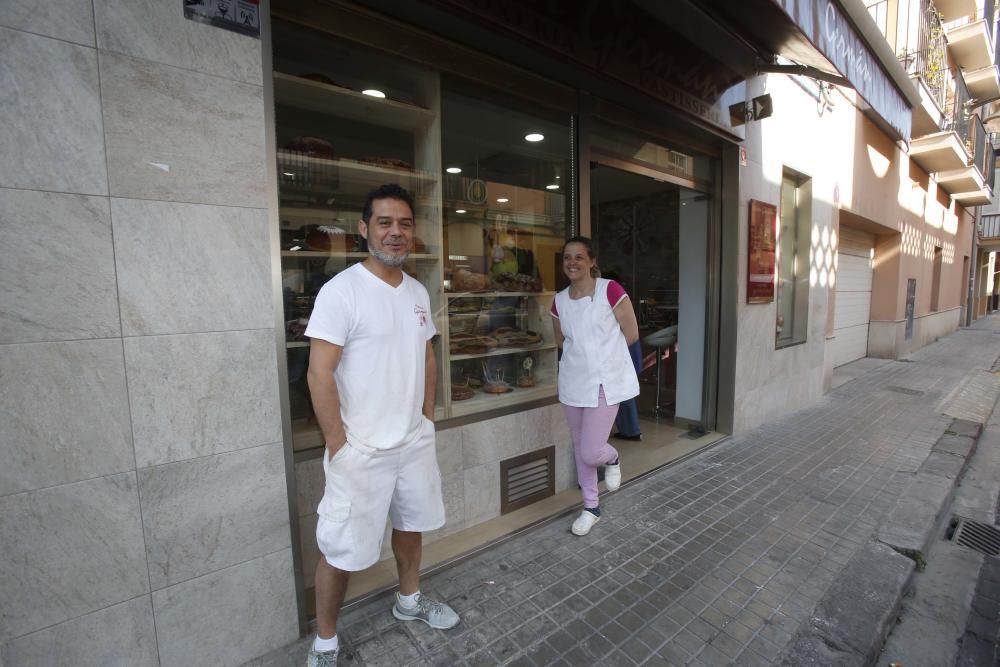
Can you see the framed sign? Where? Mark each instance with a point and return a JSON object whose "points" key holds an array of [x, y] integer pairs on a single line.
{"points": [[762, 241], [242, 16]]}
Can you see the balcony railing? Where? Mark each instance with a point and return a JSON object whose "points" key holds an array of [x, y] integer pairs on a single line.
{"points": [[989, 226], [981, 149], [920, 43]]}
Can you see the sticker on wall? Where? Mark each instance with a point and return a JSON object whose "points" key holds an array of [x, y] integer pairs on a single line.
{"points": [[242, 16], [743, 155]]}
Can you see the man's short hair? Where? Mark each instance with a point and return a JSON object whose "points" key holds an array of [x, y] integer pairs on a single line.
{"points": [[387, 191]]}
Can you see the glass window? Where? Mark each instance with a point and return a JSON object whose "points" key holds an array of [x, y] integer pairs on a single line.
{"points": [[491, 186], [506, 189], [792, 294]]}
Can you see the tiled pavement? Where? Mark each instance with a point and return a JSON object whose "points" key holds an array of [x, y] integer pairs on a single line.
{"points": [[715, 561]]}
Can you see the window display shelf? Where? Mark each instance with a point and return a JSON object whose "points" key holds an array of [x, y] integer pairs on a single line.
{"points": [[302, 93], [467, 295], [313, 254], [544, 388], [499, 352], [312, 173]]}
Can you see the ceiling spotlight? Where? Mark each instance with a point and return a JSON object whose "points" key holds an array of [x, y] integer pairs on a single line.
{"points": [[287, 173], [502, 200], [459, 210], [554, 186], [372, 92], [534, 137], [454, 170], [558, 177]]}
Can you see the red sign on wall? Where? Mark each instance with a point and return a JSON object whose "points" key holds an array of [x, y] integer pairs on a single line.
{"points": [[760, 252]]}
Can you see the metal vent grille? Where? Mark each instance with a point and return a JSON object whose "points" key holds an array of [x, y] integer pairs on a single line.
{"points": [[527, 478], [981, 537]]}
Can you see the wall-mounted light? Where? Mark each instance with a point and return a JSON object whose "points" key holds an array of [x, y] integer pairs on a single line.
{"points": [[534, 137], [372, 92]]}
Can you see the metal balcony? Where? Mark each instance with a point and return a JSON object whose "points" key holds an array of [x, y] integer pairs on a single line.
{"points": [[972, 185], [970, 38], [989, 227]]}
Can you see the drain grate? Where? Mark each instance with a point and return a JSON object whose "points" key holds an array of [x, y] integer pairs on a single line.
{"points": [[981, 537], [904, 390]]}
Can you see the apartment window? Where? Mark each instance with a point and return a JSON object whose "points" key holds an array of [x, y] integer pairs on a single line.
{"points": [[792, 294]]}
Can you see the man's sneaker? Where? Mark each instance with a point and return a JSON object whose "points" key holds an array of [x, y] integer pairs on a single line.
{"points": [[584, 523], [322, 658], [433, 613], [613, 476]]}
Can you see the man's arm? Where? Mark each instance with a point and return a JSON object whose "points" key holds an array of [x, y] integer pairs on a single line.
{"points": [[430, 381], [626, 320], [324, 358]]}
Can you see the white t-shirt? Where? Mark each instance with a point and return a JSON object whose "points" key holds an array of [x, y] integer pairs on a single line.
{"points": [[384, 332]]}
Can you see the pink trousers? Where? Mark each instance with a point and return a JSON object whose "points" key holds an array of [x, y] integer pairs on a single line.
{"points": [[590, 428]]}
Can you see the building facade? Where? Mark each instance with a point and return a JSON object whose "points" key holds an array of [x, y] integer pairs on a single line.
{"points": [[801, 196]]}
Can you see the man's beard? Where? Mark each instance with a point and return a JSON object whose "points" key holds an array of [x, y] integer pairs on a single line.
{"points": [[392, 261]]}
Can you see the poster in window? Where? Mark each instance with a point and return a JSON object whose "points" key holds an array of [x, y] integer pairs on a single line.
{"points": [[761, 251]]}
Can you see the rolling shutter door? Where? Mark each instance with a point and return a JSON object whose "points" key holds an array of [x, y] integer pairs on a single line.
{"points": [[854, 296]]}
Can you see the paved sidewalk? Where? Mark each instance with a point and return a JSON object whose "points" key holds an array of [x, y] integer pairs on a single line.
{"points": [[716, 561]]}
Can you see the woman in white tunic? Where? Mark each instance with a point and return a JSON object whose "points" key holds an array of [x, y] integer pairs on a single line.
{"points": [[594, 325]]}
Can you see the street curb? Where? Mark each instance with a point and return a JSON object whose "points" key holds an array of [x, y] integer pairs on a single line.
{"points": [[853, 619]]}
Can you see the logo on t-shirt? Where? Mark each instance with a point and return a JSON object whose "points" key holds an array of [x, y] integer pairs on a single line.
{"points": [[421, 314]]}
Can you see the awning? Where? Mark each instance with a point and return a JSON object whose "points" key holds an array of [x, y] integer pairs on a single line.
{"points": [[833, 36]]}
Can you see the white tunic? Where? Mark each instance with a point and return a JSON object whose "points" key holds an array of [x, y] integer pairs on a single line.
{"points": [[594, 353]]}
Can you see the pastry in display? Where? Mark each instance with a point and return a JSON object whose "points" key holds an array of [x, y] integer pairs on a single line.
{"points": [[511, 337], [464, 280], [464, 306], [517, 282], [526, 379], [494, 381], [325, 239], [391, 163], [459, 393], [463, 343], [312, 146]]}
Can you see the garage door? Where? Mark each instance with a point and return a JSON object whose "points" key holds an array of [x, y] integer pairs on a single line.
{"points": [[852, 310]]}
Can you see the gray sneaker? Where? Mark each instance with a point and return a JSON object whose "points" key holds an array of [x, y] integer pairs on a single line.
{"points": [[433, 613], [322, 658]]}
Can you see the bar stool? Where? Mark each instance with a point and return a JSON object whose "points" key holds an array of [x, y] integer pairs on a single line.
{"points": [[661, 340]]}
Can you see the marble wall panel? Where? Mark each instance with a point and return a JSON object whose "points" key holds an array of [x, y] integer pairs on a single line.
{"points": [[51, 137], [118, 635], [201, 394], [58, 281], [69, 550], [565, 467], [482, 493], [157, 31], [230, 616], [65, 414], [70, 21], [310, 482], [536, 429], [453, 488], [184, 268], [177, 135], [449, 451], [560, 429], [212, 512], [492, 440]]}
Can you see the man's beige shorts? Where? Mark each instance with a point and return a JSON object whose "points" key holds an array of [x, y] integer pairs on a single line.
{"points": [[365, 485]]}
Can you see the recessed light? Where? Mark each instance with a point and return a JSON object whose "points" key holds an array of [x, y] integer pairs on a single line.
{"points": [[287, 173], [372, 92], [554, 186], [558, 177], [502, 200], [454, 170], [534, 137], [459, 210]]}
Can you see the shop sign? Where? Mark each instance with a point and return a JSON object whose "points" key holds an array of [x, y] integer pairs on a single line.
{"points": [[619, 40], [825, 25], [242, 16], [761, 252]]}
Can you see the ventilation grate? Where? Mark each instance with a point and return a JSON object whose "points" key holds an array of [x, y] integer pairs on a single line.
{"points": [[904, 390], [527, 478], [978, 536]]}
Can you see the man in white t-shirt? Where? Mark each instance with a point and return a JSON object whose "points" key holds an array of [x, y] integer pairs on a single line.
{"points": [[372, 375]]}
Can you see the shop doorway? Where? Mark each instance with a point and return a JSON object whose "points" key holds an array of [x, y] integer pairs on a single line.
{"points": [[651, 235]]}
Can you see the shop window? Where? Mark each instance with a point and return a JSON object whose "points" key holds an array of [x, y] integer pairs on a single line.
{"points": [[792, 293], [490, 185]]}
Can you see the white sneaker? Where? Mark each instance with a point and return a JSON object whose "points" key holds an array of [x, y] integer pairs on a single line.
{"points": [[584, 523], [613, 476]]}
